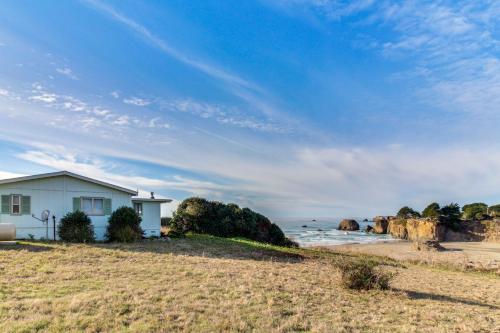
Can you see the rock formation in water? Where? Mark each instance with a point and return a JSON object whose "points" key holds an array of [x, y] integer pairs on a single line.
{"points": [[347, 224]]}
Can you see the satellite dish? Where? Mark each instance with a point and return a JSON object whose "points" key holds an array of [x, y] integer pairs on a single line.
{"points": [[45, 215]]}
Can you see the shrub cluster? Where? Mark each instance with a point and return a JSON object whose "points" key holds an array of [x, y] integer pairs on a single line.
{"points": [[407, 212], [226, 220], [364, 275], [124, 225], [76, 227]]}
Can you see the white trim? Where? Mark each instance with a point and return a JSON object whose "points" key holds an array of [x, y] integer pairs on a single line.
{"points": [[92, 199], [151, 200], [19, 204], [68, 174]]}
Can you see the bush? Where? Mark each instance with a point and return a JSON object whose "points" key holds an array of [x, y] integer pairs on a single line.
{"points": [[407, 213], [225, 220], [432, 211], [364, 275], [124, 226], [494, 211], [471, 211], [76, 227]]}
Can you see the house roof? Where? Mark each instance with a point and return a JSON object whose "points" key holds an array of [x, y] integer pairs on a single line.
{"points": [[69, 174], [137, 199]]}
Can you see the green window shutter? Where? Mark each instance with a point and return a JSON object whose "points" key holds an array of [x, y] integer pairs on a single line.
{"points": [[5, 204], [107, 206], [25, 205], [76, 204]]}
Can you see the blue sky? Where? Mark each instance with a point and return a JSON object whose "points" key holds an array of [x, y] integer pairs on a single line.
{"points": [[290, 107]]}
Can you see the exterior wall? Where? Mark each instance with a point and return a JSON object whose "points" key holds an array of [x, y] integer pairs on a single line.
{"points": [[151, 218], [56, 194]]}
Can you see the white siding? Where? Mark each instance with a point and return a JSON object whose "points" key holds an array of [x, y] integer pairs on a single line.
{"points": [[151, 218], [56, 194]]}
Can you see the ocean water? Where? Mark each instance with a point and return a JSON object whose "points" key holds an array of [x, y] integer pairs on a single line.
{"points": [[323, 232]]}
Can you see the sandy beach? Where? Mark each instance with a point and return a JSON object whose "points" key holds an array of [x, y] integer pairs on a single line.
{"points": [[480, 255]]}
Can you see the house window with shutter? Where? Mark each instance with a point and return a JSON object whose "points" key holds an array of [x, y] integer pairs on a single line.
{"points": [[15, 204], [92, 206]]}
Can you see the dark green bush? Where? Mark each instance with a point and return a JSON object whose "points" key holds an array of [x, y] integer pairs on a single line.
{"points": [[124, 225], [407, 213], [432, 211], [471, 211], [76, 227], [364, 275], [494, 210], [225, 220]]}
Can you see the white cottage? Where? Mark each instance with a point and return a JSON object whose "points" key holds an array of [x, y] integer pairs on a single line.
{"points": [[24, 198]]}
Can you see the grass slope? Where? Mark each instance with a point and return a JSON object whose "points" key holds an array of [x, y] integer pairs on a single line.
{"points": [[208, 284]]}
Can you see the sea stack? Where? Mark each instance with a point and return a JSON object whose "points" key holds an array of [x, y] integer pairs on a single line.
{"points": [[348, 224]]}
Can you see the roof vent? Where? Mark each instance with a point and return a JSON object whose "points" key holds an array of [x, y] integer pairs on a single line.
{"points": [[152, 195]]}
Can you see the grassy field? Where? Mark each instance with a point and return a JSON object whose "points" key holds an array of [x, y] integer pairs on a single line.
{"points": [[206, 284]]}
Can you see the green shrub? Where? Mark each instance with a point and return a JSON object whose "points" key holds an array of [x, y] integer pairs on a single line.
{"points": [[76, 227], [225, 220], [432, 211], [364, 275], [407, 213], [471, 211], [124, 225], [494, 210]]}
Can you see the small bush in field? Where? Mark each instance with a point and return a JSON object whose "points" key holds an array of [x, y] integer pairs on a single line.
{"points": [[364, 275], [124, 225], [76, 227]]}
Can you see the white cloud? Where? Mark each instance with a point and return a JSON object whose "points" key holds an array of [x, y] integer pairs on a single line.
{"points": [[115, 94], [137, 101], [224, 115], [122, 121], [66, 71], [45, 98]]}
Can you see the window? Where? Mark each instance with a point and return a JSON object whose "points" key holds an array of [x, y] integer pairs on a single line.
{"points": [[16, 204], [93, 206], [138, 207]]}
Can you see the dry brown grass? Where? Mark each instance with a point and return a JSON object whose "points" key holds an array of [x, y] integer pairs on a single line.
{"points": [[204, 284]]}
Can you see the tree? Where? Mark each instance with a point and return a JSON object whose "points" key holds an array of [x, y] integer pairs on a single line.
{"points": [[450, 216], [407, 213], [76, 227], [432, 211], [451, 211], [124, 225], [474, 210]]}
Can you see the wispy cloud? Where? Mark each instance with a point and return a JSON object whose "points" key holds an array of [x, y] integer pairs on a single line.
{"points": [[223, 114], [453, 45], [137, 101], [161, 44], [66, 71]]}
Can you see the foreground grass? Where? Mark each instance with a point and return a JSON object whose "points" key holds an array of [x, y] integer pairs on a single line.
{"points": [[209, 284]]}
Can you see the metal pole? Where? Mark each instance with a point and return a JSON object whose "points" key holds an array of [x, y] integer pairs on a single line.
{"points": [[54, 220]]}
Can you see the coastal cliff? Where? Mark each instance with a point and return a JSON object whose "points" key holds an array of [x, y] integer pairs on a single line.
{"points": [[435, 229]]}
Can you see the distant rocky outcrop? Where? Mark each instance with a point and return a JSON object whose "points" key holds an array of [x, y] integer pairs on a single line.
{"points": [[381, 224], [348, 224], [397, 228], [419, 229], [369, 228]]}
